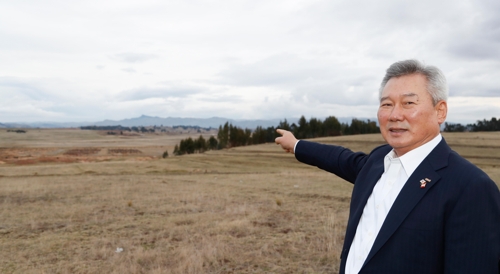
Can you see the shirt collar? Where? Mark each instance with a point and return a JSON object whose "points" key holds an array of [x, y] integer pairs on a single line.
{"points": [[412, 159]]}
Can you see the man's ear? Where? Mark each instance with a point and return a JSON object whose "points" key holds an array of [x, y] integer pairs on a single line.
{"points": [[441, 111]]}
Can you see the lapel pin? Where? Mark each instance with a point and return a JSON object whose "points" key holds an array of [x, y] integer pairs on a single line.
{"points": [[428, 180], [422, 183]]}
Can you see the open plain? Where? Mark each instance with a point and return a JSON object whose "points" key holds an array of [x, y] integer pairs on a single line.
{"points": [[74, 201]]}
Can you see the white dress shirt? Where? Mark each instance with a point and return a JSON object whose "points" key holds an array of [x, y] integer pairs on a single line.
{"points": [[397, 170]]}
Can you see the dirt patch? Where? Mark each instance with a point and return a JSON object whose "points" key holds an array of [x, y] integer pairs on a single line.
{"points": [[82, 151], [30, 156], [26, 162], [58, 160]]}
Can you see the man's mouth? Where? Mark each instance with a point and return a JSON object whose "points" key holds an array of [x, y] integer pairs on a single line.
{"points": [[397, 130]]}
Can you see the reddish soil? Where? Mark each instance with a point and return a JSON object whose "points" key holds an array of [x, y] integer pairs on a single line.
{"points": [[29, 156]]}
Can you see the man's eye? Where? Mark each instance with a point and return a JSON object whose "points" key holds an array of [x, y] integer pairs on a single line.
{"points": [[409, 103]]}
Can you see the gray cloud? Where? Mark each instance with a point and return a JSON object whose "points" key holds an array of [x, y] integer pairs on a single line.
{"points": [[475, 49], [476, 78], [477, 37], [40, 100], [27, 89], [308, 80], [283, 69], [472, 90]]}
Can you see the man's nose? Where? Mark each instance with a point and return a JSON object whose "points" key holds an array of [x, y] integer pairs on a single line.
{"points": [[396, 114]]}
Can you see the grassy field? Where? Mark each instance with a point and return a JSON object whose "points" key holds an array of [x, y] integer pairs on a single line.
{"points": [[68, 201]]}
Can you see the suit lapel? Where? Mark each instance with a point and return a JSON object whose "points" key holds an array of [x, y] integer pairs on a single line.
{"points": [[411, 194]]}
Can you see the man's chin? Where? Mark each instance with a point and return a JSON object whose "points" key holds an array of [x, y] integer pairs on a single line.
{"points": [[395, 143], [392, 138]]}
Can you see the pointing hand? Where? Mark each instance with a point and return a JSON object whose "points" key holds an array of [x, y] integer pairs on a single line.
{"points": [[287, 140]]}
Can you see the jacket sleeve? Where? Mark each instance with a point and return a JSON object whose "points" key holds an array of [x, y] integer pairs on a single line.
{"points": [[335, 159]]}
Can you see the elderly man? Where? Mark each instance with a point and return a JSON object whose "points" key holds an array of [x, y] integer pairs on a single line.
{"points": [[416, 206]]}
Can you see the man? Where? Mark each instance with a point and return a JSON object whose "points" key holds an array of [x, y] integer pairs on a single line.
{"points": [[416, 206]]}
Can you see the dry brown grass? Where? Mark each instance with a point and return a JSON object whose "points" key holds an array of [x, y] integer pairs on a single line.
{"points": [[245, 210]]}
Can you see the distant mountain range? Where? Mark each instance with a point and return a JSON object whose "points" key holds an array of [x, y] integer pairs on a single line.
{"points": [[145, 120], [213, 122]]}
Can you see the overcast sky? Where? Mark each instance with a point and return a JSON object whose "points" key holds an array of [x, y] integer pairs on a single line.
{"points": [[67, 61]]}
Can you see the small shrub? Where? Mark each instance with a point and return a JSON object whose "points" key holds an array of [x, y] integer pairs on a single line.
{"points": [[279, 202], [17, 131]]}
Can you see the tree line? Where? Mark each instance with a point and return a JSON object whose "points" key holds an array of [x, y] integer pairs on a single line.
{"points": [[484, 125], [232, 136], [189, 146]]}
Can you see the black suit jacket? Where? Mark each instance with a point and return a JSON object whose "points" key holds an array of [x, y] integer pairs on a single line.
{"points": [[450, 226]]}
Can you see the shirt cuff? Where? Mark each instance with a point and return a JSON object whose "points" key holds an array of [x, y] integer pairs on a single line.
{"points": [[295, 146]]}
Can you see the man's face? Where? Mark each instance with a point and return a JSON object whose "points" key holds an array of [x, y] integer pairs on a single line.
{"points": [[407, 116]]}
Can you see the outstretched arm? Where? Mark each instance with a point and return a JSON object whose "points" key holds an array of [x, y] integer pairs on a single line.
{"points": [[287, 140]]}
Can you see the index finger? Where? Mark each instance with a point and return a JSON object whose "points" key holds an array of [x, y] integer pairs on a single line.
{"points": [[280, 131]]}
